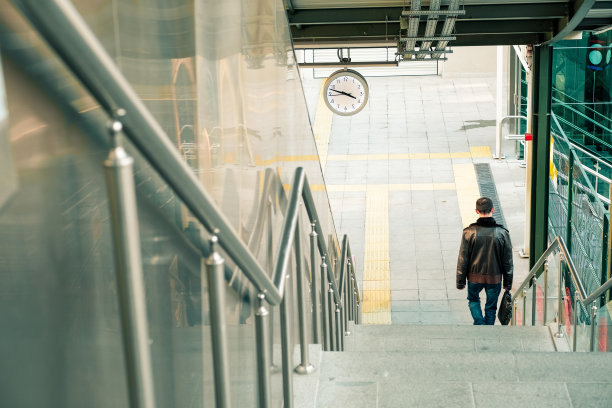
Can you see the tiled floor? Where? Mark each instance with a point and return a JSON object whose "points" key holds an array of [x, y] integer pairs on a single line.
{"points": [[403, 150]]}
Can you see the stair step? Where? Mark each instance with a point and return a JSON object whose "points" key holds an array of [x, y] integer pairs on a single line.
{"points": [[464, 379], [449, 338]]}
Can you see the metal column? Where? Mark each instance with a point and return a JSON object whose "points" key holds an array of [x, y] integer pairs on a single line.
{"points": [[542, 76]]}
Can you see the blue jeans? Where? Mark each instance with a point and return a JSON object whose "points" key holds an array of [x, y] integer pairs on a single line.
{"points": [[492, 290]]}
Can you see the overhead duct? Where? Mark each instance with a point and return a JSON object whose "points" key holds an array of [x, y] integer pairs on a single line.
{"points": [[411, 46], [447, 28], [430, 29]]}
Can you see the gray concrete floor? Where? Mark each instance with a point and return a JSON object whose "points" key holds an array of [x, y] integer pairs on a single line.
{"points": [[416, 115]]}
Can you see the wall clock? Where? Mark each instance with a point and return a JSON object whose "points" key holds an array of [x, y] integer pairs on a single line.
{"points": [[346, 92]]}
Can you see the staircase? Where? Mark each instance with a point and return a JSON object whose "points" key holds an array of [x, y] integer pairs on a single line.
{"points": [[454, 366]]}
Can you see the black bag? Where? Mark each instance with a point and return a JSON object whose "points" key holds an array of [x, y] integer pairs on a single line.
{"points": [[504, 314]]}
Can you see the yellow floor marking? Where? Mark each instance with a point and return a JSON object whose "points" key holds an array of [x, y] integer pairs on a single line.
{"points": [[376, 306], [390, 187], [322, 128], [261, 162], [475, 152], [480, 151], [467, 191]]}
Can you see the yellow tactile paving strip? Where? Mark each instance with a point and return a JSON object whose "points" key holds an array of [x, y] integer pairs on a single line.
{"points": [[392, 187], [322, 131], [376, 306], [475, 152], [467, 191]]}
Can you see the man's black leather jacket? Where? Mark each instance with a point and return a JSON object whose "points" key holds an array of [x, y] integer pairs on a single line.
{"points": [[485, 255]]}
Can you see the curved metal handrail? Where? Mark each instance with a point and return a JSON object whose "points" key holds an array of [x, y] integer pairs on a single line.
{"points": [[67, 33], [64, 29], [557, 244]]}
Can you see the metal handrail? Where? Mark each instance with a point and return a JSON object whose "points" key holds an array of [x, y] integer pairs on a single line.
{"points": [[65, 30], [580, 293], [558, 243]]}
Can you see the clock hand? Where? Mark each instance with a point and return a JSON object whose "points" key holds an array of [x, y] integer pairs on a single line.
{"points": [[343, 93]]}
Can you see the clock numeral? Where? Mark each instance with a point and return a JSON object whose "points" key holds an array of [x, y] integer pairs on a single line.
{"points": [[345, 79], [332, 101], [338, 105], [361, 93], [359, 101], [358, 86]]}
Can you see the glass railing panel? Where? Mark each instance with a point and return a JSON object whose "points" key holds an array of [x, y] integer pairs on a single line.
{"points": [[519, 311], [582, 327], [55, 230], [603, 331], [551, 297], [528, 311], [540, 302]]}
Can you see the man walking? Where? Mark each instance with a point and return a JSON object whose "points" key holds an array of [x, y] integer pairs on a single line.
{"points": [[485, 257]]}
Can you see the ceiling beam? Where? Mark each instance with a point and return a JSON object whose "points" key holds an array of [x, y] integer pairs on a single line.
{"points": [[392, 14], [461, 41], [392, 30], [593, 23]]}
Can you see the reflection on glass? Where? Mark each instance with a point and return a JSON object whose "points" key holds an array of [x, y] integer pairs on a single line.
{"points": [[220, 79]]}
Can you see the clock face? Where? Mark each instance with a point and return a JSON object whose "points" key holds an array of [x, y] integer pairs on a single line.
{"points": [[346, 92]]}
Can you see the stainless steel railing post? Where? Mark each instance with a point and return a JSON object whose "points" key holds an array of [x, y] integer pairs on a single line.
{"points": [[304, 367], [351, 294], [514, 308], [534, 287], [339, 328], [576, 298], [346, 301], [325, 323], [270, 263], [118, 169], [286, 343], [560, 300], [545, 306], [331, 309], [524, 307], [218, 328], [262, 338], [357, 308], [314, 287], [593, 326]]}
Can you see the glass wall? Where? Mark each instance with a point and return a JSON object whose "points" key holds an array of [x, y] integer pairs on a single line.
{"points": [[581, 160], [221, 79], [582, 90]]}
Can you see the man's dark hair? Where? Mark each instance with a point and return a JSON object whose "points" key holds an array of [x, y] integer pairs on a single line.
{"points": [[484, 205]]}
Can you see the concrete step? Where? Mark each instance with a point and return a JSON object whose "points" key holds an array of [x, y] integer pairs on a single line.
{"points": [[464, 379], [449, 338]]}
